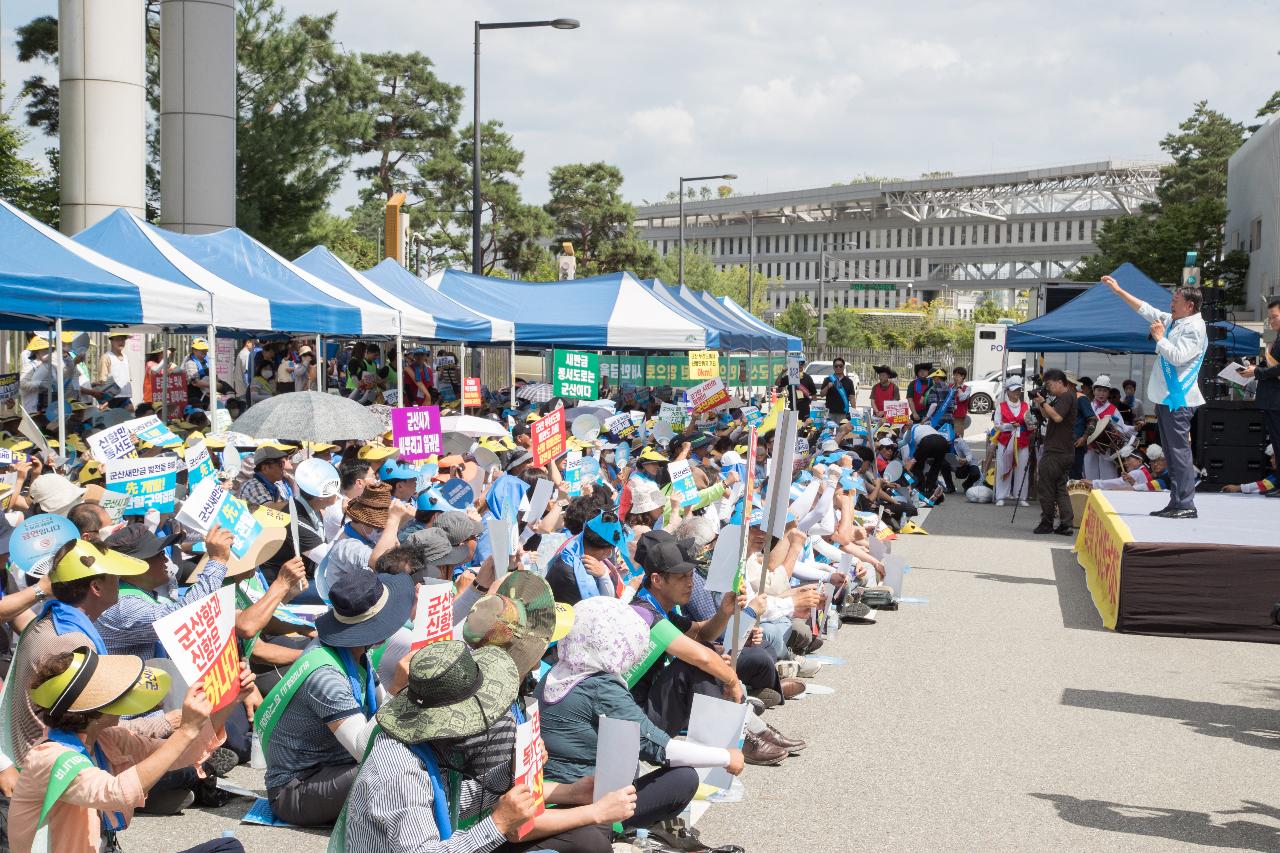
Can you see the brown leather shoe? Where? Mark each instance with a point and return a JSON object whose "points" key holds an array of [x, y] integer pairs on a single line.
{"points": [[777, 738], [757, 750], [791, 688]]}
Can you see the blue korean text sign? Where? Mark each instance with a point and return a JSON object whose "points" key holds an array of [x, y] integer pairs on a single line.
{"points": [[149, 483]]}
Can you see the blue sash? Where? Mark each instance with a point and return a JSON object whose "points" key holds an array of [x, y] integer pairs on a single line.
{"points": [[938, 416], [844, 397], [1178, 387], [366, 694], [571, 554], [72, 742], [67, 619], [439, 795]]}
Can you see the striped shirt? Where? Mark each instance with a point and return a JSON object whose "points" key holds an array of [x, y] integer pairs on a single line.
{"points": [[128, 625], [389, 807], [255, 493]]}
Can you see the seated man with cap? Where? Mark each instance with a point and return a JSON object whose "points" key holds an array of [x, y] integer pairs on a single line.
{"points": [[438, 775], [402, 478], [371, 529], [580, 569], [85, 582], [267, 486], [314, 725], [427, 507], [85, 780]]}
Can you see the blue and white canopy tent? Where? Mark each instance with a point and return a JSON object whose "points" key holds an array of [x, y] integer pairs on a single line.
{"points": [[46, 278], [614, 311], [795, 346], [415, 320], [454, 321], [717, 338]]}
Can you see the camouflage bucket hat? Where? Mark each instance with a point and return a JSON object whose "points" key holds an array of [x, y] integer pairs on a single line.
{"points": [[453, 692]]}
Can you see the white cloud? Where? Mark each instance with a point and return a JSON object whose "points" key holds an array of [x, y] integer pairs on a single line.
{"points": [[666, 125]]}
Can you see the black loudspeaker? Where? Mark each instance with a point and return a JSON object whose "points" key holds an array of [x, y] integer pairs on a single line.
{"points": [[1228, 440]]}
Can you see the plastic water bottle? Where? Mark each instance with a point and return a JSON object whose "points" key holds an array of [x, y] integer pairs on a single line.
{"points": [[644, 842]]}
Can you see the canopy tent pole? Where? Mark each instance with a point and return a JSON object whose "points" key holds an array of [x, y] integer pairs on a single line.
{"points": [[322, 381], [462, 377], [399, 369], [164, 368], [513, 372], [213, 372], [60, 367]]}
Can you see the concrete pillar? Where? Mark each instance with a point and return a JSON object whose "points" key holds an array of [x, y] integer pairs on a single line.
{"points": [[102, 114], [197, 115]]}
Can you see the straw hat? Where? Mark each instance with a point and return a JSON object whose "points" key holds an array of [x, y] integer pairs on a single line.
{"points": [[266, 546], [376, 452], [371, 505], [109, 684]]}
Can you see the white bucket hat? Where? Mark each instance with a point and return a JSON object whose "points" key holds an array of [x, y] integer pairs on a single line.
{"points": [[54, 493], [645, 495]]}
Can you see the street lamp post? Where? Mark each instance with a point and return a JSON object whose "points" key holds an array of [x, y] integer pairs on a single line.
{"points": [[822, 307], [680, 248], [477, 262]]}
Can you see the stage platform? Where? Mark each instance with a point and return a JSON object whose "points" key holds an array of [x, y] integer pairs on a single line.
{"points": [[1215, 577]]}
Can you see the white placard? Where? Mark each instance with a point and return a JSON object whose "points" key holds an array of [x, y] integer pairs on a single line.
{"points": [[617, 755], [113, 443], [542, 492], [503, 544], [715, 722], [433, 617], [895, 566], [200, 639], [725, 559]]}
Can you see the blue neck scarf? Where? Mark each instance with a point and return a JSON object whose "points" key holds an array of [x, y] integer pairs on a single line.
{"points": [[648, 596], [73, 742], [68, 619], [272, 488], [364, 690], [439, 794], [571, 553], [355, 534]]}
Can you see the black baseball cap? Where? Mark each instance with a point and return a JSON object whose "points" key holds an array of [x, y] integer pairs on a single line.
{"points": [[137, 541], [659, 552]]}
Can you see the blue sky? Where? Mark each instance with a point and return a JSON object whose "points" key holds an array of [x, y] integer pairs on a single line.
{"points": [[792, 95]]}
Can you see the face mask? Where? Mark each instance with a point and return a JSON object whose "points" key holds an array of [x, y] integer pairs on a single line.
{"points": [[267, 374]]}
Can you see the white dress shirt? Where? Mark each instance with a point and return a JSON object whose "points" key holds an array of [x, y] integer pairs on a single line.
{"points": [[1183, 344]]}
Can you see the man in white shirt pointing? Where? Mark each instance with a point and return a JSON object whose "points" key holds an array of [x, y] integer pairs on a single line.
{"points": [[1181, 341]]}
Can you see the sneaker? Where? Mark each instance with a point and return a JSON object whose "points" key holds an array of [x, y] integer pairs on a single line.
{"points": [[768, 696], [221, 762], [1043, 527], [756, 750], [788, 669], [1000, 502], [675, 836], [209, 796], [1023, 503], [808, 668]]}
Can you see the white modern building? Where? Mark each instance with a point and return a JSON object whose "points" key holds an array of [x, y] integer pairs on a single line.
{"points": [[1253, 215], [878, 245]]}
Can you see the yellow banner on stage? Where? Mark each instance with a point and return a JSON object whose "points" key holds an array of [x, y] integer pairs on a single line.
{"points": [[1099, 549], [704, 364]]}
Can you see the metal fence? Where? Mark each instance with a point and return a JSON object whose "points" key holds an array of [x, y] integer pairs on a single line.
{"points": [[863, 360]]}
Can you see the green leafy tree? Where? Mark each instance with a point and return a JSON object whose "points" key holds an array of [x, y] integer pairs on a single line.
{"points": [[339, 234], [587, 207], [23, 182], [987, 311], [701, 274], [298, 124], [797, 320], [38, 40], [1189, 213]]}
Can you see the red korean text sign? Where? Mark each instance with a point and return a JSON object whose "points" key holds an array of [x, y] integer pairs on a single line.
{"points": [[200, 639], [548, 437], [708, 396], [433, 618], [471, 392], [177, 389]]}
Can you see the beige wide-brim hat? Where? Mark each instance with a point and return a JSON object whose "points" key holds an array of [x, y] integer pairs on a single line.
{"points": [[266, 546]]}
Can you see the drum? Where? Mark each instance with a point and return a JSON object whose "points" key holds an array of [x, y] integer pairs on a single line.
{"points": [[1111, 441]]}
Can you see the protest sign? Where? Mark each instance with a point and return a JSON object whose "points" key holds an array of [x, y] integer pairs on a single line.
{"points": [[174, 393], [897, 412], [471, 392], [548, 437], [113, 443], [573, 473], [538, 500], [708, 396], [682, 482], [152, 431], [8, 394], [6, 456], [503, 544], [147, 483], [209, 504], [200, 639], [715, 722], [753, 415], [113, 504], [528, 763], [34, 542], [725, 559], [671, 413], [802, 446], [793, 370], [457, 492], [221, 420], [199, 463], [620, 425], [416, 431], [704, 364], [577, 375], [391, 397], [433, 618], [617, 755], [818, 411]]}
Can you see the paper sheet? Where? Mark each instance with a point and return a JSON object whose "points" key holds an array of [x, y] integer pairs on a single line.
{"points": [[725, 559], [715, 722], [1231, 373], [617, 755]]}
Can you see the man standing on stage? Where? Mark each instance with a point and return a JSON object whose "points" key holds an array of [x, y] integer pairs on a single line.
{"points": [[1268, 376], [1181, 341]]}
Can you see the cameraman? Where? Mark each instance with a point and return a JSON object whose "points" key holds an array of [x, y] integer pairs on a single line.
{"points": [[1059, 414]]}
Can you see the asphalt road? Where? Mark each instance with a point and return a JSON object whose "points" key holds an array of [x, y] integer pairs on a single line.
{"points": [[996, 714]]}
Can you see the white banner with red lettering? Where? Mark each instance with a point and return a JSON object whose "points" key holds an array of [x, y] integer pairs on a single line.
{"points": [[201, 640]]}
